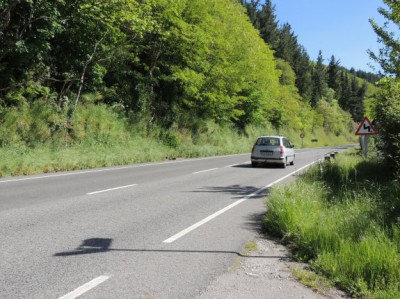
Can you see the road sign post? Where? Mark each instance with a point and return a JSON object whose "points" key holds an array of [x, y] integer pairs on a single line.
{"points": [[364, 145], [365, 129], [302, 135]]}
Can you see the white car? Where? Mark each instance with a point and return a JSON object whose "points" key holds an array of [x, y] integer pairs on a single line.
{"points": [[272, 149]]}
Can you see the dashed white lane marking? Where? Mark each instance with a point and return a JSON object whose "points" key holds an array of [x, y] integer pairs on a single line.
{"points": [[85, 288], [207, 170], [111, 189], [216, 214]]}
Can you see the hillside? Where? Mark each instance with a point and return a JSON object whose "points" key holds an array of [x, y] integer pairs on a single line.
{"points": [[103, 73]]}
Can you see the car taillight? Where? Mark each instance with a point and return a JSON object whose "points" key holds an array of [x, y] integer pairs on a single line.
{"points": [[281, 150]]}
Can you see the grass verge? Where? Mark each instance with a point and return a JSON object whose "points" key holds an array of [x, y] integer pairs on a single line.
{"points": [[345, 223], [317, 283]]}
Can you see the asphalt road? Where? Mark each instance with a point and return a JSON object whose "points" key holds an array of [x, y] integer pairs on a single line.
{"points": [[159, 230]]}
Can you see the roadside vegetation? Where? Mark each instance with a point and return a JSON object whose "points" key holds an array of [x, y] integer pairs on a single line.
{"points": [[99, 83], [343, 219], [96, 83], [105, 140]]}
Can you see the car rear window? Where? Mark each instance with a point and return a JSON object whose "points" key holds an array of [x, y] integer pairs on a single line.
{"points": [[268, 141]]}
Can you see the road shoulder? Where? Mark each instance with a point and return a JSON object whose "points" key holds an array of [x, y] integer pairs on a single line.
{"points": [[265, 272]]}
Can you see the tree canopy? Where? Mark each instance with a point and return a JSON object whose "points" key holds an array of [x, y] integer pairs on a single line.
{"points": [[164, 63]]}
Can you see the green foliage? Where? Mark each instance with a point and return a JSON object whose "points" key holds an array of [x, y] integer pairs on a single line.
{"points": [[31, 124], [319, 77], [387, 106], [99, 138], [168, 67], [331, 113], [267, 23], [168, 138], [97, 124], [26, 30], [389, 55], [333, 73], [388, 120], [312, 79], [344, 222]]}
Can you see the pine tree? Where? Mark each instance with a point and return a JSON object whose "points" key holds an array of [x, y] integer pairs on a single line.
{"points": [[333, 73], [252, 11], [345, 91], [303, 70], [319, 80], [287, 44], [354, 98], [267, 24]]}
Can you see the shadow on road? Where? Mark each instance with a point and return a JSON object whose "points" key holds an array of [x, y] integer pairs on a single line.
{"points": [[254, 222], [259, 167], [101, 245], [238, 191]]}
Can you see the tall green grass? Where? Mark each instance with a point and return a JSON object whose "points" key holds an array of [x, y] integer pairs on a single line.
{"points": [[344, 221]]}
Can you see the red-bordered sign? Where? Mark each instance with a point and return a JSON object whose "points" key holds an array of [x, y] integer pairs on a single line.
{"points": [[366, 128]]}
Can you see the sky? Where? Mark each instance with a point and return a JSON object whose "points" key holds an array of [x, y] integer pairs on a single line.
{"points": [[336, 27]]}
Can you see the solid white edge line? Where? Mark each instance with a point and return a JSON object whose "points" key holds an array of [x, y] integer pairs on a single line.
{"points": [[290, 174], [200, 223], [111, 189], [85, 288], [216, 214], [55, 175], [204, 170]]}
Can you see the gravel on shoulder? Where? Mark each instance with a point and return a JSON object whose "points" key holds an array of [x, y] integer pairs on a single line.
{"points": [[265, 272]]}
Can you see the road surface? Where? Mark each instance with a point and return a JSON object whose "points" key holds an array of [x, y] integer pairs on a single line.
{"points": [[159, 230]]}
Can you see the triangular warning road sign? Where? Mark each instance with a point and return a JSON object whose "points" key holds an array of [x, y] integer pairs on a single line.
{"points": [[366, 128]]}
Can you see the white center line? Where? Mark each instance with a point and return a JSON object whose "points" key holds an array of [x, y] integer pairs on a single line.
{"points": [[111, 189], [216, 214], [85, 288], [205, 170]]}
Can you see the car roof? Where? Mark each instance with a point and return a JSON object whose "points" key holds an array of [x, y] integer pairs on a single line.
{"points": [[272, 137]]}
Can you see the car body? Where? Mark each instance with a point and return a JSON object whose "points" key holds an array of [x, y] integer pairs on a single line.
{"points": [[272, 149]]}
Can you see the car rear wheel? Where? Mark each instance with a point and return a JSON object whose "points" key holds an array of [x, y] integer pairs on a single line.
{"points": [[284, 163]]}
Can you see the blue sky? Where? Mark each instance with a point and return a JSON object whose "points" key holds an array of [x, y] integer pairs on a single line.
{"points": [[336, 27]]}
